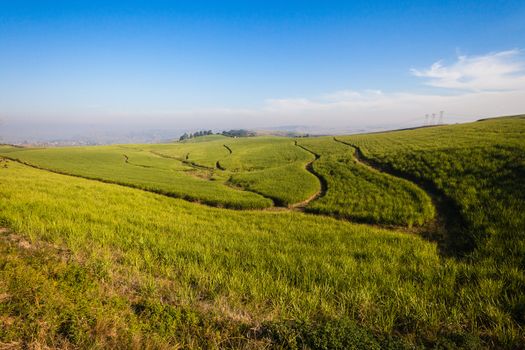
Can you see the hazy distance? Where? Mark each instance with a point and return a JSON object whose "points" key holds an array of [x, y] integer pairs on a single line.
{"points": [[106, 72]]}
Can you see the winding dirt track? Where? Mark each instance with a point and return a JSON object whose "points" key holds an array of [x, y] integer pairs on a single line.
{"points": [[218, 163], [126, 160], [185, 161], [323, 187], [448, 226]]}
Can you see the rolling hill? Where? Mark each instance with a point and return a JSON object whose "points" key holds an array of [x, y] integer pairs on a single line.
{"points": [[402, 239]]}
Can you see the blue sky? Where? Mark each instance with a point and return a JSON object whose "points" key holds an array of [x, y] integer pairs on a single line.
{"points": [[254, 63]]}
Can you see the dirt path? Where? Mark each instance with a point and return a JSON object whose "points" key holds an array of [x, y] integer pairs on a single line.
{"points": [[211, 170], [185, 161], [323, 186], [228, 148], [218, 163], [126, 160]]}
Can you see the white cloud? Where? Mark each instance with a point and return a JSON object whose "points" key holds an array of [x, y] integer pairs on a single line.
{"points": [[351, 95], [495, 71], [479, 86]]}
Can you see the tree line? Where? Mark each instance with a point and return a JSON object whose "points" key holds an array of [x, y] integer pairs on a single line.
{"points": [[187, 136], [230, 133], [239, 133]]}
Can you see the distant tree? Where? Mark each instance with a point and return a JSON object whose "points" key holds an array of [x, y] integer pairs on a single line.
{"points": [[239, 133], [199, 133]]}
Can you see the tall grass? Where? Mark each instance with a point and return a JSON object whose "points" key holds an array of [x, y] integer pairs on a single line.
{"points": [[358, 192], [202, 169], [95, 264], [259, 153], [286, 185], [141, 169], [480, 166]]}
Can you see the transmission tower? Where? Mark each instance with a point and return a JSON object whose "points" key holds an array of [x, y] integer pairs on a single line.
{"points": [[441, 117], [426, 119], [433, 118]]}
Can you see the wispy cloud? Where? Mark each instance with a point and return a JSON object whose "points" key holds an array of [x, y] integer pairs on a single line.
{"points": [[480, 86], [495, 71]]}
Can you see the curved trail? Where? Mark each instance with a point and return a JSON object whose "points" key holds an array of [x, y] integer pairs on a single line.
{"points": [[228, 148], [218, 163], [447, 226], [184, 161], [211, 170], [299, 206], [126, 160], [276, 206], [323, 186]]}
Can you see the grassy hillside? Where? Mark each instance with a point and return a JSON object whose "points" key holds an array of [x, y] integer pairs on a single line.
{"points": [[203, 151], [137, 168], [259, 153], [118, 266], [94, 265], [360, 193], [287, 185], [203, 169], [480, 166], [273, 166]]}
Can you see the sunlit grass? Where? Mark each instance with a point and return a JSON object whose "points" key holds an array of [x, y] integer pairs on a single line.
{"points": [[357, 192], [91, 264], [137, 248]]}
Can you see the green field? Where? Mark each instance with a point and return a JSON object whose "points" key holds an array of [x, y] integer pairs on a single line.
{"points": [[360, 193], [109, 259], [204, 169], [479, 166], [134, 167]]}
